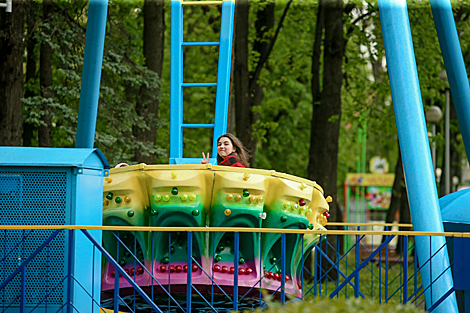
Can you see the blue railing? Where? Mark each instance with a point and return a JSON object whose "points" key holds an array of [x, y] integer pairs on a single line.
{"points": [[348, 264]]}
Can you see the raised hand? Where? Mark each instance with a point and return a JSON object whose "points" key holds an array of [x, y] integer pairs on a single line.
{"points": [[204, 159]]}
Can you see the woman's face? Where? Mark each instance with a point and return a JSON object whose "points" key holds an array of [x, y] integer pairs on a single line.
{"points": [[225, 147]]}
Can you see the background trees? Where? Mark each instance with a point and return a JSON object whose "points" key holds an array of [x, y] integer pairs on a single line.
{"points": [[307, 76]]}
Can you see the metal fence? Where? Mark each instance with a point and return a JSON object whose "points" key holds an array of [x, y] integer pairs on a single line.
{"points": [[379, 265]]}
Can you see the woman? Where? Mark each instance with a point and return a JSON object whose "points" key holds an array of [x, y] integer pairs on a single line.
{"points": [[230, 152]]}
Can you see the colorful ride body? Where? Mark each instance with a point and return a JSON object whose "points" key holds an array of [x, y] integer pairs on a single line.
{"points": [[204, 195]]}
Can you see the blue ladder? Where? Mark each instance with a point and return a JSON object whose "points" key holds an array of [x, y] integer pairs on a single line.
{"points": [[177, 84]]}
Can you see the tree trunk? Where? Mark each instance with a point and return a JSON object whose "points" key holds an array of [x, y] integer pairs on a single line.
{"points": [[28, 129], [11, 74], [323, 160], [248, 92], [397, 191], [45, 77], [147, 106]]}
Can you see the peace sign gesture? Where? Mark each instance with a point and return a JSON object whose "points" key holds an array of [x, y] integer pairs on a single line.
{"points": [[204, 159]]}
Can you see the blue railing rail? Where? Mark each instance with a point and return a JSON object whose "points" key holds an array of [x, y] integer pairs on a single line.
{"points": [[360, 270]]}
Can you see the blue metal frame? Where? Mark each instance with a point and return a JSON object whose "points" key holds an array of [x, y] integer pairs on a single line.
{"points": [[91, 73], [414, 144], [177, 84]]}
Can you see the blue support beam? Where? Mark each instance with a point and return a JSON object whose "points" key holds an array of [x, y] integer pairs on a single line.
{"points": [[454, 63], [415, 151], [176, 81], [91, 73], [224, 69]]}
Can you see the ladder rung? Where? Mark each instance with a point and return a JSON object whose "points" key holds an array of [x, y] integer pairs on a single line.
{"points": [[199, 85], [201, 43], [201, 2], [197, 125]]}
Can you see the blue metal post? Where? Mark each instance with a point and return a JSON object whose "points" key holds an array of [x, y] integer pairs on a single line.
{"points": [[454, 63], [176, 81], [189, 262], [70, 257], [283, 268], [356, 277], [236, 255], [91, 73], [405, 269], [224, 70], [414, 146]]}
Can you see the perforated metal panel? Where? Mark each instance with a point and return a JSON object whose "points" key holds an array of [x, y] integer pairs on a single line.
{"points": [[34, 198]]}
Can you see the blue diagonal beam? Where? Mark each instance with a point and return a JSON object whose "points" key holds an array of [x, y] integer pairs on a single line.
{"points": [[415, 150], [120, 270], [361, 266]]}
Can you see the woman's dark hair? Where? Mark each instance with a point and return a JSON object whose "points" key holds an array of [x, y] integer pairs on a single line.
{"points": [[240, 151]]}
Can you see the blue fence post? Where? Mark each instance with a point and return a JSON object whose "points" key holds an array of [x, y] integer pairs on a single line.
{"points": [[283, 268], [116, 280], [236, 252], [356, 277], [415, 151], [69, 271], [405, 269], [189, 282]]}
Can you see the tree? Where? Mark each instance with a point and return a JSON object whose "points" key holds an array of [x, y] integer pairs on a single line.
{"points": [[11, 74], [148, 102]]}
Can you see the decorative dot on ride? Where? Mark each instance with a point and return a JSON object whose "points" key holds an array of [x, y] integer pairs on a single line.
{"points": [[195, 267], [130, 213], [217, 268], [302, 202], [192, 197], [172, 268], [238, 198], [109, 196], [178, 268], [227, 212], [157, 198], [118, 200], [241, 271], [174, 191], [229, 197], [166, 198], [195, 212], [246, 193], [283, 218], [184, 197], [248, 271], [127, 199]]}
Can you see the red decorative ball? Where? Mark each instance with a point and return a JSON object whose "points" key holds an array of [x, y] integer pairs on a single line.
{"points": [[287, 278], [276, 276], [327, 214], [178, 268], [224, 269], [127, 271], [172, 268], [232, 270], [269, 275], [241, 271], [248, 271], [302, 202], [113, 273], [195, 267], [140, 270], [185, 268], [217, 268], [162, 268], [132, 272]]}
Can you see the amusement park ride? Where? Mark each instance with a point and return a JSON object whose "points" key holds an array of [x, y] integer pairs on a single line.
{"points": [[206, 195]]}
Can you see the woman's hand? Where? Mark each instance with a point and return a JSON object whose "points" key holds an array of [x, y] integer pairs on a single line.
{"points": [[204, 159]]}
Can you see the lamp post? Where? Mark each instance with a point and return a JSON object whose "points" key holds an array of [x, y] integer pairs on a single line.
{"points": [[433, 115], [443, 76]]}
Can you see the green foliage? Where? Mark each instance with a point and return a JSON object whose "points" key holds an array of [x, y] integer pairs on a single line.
{"points": [[333, 306]]}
